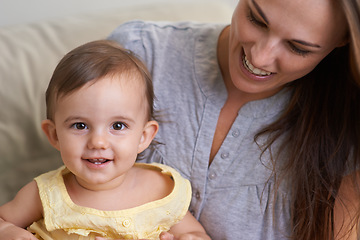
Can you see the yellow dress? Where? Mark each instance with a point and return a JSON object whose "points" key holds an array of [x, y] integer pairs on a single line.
{"points": [[64, 220]]}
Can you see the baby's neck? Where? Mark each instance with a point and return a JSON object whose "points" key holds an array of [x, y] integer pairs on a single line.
{"points": [[140, 186], [100, 196]]}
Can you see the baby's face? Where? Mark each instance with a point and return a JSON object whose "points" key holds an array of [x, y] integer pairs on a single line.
{"points": [[100, 129]]}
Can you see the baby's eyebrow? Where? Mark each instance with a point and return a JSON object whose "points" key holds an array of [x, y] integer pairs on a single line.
{"points": [[123, 118], [72, 118]]}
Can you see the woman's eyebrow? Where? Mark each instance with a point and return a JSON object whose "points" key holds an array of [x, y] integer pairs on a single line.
{"points": [[263, 16], [307, 43], [261, 13]]}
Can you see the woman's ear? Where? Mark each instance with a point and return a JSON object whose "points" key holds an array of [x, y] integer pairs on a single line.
{"points": [[149, 132], [48, 126]]}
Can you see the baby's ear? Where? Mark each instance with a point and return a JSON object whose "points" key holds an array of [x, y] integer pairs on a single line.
{"points": [[48, 126], [149, 132]]}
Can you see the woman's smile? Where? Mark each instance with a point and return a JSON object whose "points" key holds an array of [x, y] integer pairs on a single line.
{"points": [[252, 69], [251, 72]]}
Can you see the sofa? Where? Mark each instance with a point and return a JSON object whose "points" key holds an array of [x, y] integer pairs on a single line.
{"points": [[29, 53]]}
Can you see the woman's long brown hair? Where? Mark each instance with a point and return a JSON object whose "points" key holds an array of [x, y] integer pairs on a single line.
{"points": [[320, 131]]}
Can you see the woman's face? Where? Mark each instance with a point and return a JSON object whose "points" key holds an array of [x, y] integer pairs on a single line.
{"points": [[273, 42]]}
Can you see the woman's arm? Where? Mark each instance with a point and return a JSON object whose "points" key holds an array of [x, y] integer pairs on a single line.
{"points": [[347, 208], [19, 213]]}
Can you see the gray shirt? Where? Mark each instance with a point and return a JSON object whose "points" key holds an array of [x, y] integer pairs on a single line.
{"points": [[232, 198]]}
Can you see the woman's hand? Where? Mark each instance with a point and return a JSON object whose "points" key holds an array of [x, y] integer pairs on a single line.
{"points": [[10, 231], [187, 229], [101, 238], [169, 236], [185, 236]]}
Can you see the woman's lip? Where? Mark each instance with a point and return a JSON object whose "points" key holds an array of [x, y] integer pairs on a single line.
{"points": [[245, 69], [253, 69]]}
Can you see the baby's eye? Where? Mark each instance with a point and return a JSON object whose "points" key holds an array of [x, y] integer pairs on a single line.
{"points": [[118, 126], [79, 126]]}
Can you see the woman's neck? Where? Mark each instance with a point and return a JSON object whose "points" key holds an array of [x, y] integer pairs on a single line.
{"points": [[234, 95]]}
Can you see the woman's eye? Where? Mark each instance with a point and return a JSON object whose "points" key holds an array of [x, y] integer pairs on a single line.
{"points": [[118, 126], [297, 50], [254, 20], [79, 126]]}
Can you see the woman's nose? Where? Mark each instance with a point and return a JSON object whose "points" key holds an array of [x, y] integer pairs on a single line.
{"points": [[264, 53], [98, 140]]}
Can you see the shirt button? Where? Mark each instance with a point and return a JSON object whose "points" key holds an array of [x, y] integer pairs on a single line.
{"points": [[224, 155], [236, 133], [212, 176], [126, 223], [197, 195]]}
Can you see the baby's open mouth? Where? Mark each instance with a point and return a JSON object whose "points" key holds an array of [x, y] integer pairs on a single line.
{"points": [[98, 161]]}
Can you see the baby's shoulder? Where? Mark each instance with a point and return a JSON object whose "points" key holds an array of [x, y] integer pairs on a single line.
{"points": [[155, 181], [155, 175]]}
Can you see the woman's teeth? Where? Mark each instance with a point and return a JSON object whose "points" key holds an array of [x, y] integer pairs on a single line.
{"points": [[253, 69]]}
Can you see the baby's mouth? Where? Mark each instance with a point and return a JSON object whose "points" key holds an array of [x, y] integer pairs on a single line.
{"points": [[98, 161], [254, 70]]}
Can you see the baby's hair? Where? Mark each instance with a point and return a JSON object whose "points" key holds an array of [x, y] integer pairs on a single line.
{"points": [[93, 61]]}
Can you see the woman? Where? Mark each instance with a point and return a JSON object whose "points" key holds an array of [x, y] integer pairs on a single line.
{"points": [[262, 116]]}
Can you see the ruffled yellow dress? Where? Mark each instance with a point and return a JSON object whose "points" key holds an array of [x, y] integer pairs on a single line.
{"points": [[64, 220]]}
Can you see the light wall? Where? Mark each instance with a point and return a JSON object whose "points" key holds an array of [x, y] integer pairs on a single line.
{"points": [[26, 11]]}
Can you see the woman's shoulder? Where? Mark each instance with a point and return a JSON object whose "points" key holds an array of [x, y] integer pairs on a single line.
{"points": [[141, 26], [139, 31]]}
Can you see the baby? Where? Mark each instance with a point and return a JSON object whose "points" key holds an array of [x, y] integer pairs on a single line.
{"points": [[100, 117]]}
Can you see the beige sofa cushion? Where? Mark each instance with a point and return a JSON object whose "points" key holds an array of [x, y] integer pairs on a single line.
{"points": [[29, 53]]}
